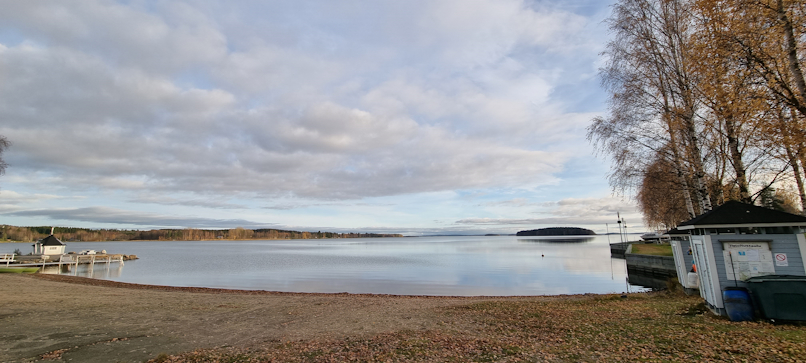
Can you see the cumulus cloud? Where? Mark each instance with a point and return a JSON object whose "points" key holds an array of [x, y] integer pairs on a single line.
{"points": [[168, 38], [130, 126], [265, 100]]}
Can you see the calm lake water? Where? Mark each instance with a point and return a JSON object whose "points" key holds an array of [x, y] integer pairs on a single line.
{"points": [[452, 266]]}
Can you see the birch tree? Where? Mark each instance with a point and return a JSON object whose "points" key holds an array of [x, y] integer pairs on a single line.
{"points": [[653, 104]]}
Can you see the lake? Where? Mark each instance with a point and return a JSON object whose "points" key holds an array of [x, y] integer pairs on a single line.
{"points": [[447, 266]]}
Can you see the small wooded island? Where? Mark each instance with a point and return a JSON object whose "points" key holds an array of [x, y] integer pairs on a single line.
{"points": [[557, 231]]}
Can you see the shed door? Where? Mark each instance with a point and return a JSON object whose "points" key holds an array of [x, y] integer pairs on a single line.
{"points": [[704, 272], [679, 263]]}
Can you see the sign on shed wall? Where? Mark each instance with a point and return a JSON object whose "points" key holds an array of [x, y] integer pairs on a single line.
{"points": [[744, 260], [781, 260]]}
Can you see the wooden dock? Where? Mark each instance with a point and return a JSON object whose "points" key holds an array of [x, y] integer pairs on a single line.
{"points": [[68, 260]]}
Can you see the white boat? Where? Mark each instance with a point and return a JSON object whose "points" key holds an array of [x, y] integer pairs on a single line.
{"points": [[652, 236]]}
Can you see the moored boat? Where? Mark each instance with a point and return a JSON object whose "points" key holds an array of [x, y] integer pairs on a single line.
{"points": [[652, 236], [19, 270]]}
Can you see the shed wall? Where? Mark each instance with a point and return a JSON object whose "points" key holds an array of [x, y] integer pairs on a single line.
{"points": [[779, 243], [714, 267]]}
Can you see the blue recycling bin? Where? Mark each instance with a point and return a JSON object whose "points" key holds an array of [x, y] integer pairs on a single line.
{"points": [[738, 304]]}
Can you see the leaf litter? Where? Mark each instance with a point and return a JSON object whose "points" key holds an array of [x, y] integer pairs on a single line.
{"points": [[649, 327]]}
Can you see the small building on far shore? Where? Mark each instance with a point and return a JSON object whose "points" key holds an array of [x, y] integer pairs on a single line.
{"points": [[49, 245], [737, 241]]}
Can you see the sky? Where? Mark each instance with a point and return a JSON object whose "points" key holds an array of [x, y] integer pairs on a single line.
{"points": [[419, 117]]}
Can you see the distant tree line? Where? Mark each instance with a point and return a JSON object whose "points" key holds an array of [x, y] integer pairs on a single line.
{"points": [[707, 104], [31, 234]]}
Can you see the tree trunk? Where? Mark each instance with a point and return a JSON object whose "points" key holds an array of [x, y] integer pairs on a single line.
{"points": [[679, 171], [793, 161], [681, 86], [736, 159], [791, 50], [686, 194], [700, 189]]}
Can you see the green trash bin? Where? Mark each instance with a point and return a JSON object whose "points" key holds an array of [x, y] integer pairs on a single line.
{"points": [[779, 297]]}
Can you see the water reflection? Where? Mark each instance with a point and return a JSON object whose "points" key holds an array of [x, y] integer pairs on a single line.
{"points": [[654, 282], [106, 271], [461, 266], [574, 239]]}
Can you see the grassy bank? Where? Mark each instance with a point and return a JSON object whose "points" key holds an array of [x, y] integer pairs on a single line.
{"points": [[652, 249], [641, 327]]}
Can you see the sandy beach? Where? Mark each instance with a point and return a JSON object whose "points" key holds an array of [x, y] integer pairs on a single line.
{"points": [[72, 319], [90, 320]]}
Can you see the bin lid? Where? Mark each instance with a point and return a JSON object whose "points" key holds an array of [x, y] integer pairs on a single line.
{"points": [[776, 278]]}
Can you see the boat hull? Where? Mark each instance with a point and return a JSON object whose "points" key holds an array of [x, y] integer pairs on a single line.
{"points": [[19, 270]]}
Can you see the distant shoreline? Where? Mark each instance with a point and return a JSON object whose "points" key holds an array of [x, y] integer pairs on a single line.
{"points": [[309, 239], [214, 239]]}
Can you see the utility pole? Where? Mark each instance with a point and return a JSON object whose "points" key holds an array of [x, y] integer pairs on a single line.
{"points": [[620, 234], [626, 236]]}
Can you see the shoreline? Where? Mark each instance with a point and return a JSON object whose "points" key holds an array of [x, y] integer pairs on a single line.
{"points": [[222, 240], [214, 290]]}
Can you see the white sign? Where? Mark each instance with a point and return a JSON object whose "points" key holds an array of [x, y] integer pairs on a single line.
{"points": [[781, 260], [744, 260]]}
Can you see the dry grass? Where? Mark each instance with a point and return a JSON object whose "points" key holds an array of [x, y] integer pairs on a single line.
{"points": [[643, 327], [652, 249]]}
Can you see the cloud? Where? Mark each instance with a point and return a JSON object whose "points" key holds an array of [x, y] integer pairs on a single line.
{"points": [[528, 221], [594, 206], [571, 211], [155, 135], [197, 104], [166, 200], [105, 215], [12, 197], [168, 37], [518, 202]]}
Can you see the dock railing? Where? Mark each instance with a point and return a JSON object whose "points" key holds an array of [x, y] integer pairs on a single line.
{"points": [[8, 258], [66, 259]]}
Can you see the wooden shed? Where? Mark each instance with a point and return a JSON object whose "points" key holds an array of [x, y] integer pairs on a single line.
{"points": [[49, 245], [736, 241]]}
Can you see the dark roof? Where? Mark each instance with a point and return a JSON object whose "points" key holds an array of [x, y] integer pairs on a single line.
{"points": [[738, 213], [51, 241], [676, 232]]}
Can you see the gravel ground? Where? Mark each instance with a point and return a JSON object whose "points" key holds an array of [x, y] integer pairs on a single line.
{"points": [[66, 318]]}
